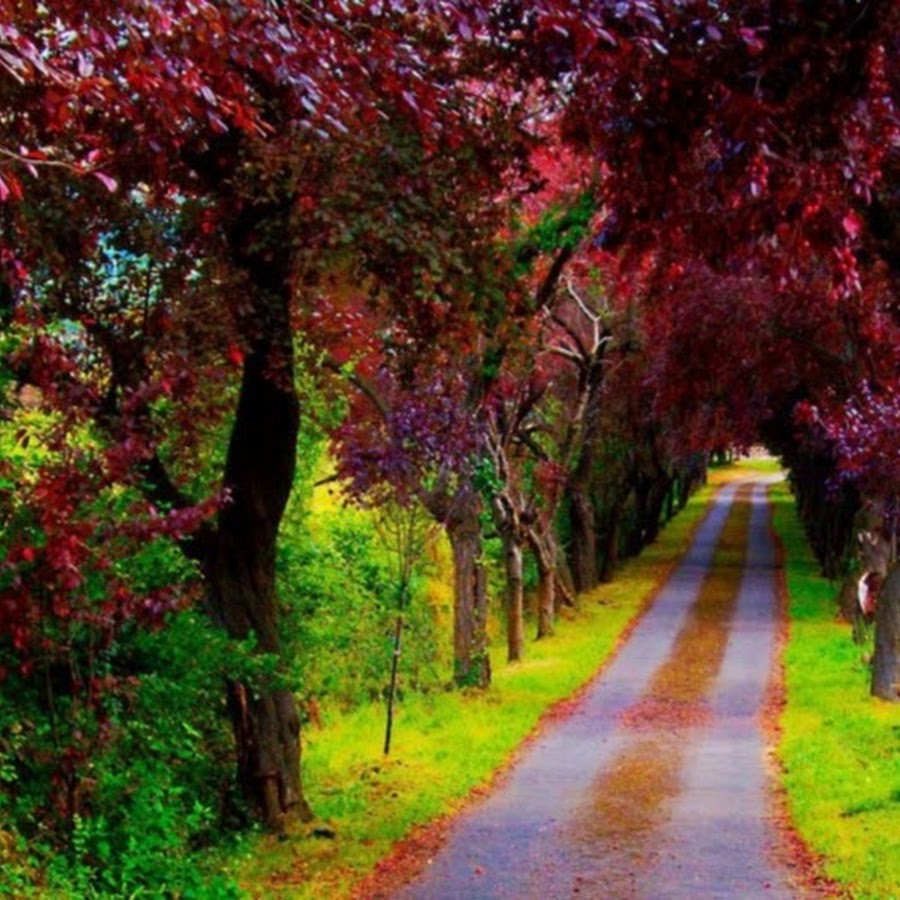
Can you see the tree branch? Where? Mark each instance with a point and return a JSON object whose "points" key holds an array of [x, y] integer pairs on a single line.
{"points": [[365, 385], [545, 292]]}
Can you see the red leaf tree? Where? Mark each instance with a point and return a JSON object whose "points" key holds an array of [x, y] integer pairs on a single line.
{"points": [[251, 132]]}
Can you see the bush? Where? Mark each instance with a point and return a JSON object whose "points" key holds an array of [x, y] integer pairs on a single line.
{"points": [[339, 589], [122, 803]]}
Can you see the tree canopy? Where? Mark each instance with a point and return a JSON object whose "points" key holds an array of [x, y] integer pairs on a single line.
{"points": [[542, 259]]}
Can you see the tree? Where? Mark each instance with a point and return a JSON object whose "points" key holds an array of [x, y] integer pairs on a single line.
{"points": [[406, 533], [234, 113], [418, 425], [538, 421], [416, 444], [864, 436], [750, 157]]}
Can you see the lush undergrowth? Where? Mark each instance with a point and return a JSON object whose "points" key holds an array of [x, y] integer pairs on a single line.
{"points": [[155, 812], [840, 749], [446, 743]]}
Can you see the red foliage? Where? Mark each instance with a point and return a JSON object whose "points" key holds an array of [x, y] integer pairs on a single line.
{"points": [[743, 159], [863, 432], [749, 156]]}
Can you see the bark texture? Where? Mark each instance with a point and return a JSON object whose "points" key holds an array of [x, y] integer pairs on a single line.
{"points": [[515, 593], [886, 660], [611, 543], [546, 606], [471, 662], [240, 573], [239, 563], [583, 551]]}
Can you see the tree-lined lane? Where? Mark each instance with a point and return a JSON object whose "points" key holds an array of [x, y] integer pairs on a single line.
{"points": [[655, 786]]}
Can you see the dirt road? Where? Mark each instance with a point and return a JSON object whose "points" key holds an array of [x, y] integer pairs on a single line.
{"points": [[655, 786]]}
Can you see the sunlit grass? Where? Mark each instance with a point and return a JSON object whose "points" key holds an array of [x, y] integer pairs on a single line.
{"points": [[840, 748], [448, 743], [744, 468]]}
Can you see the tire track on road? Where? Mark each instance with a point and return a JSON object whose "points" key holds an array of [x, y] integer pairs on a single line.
{"points": [[619, 828], [654, 786]]}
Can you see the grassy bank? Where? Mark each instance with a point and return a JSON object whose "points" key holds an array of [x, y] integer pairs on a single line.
{"points": [[447, 744], [840, 748]]}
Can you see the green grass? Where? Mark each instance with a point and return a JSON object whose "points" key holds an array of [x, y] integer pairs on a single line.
{"points": [[447, 744], [840, 749]]}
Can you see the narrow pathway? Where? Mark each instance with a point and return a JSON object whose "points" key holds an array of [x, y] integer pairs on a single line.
{"points": [[655, 786]]}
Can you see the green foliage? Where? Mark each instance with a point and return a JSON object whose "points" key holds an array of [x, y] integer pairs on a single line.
{"points": [[834, 733], [132, 794], [485, 478], [446, 743], [556, 230], [340, 595], [152, 780], [112, 748]]}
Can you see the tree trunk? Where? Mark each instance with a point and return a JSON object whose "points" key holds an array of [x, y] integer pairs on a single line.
{"points": [[565, 583], [515, 623], [886, 660], [240, 576], [634, 540], [471, 662], [583, 549], [392, 686], [692, 475], [546, 601], [671, 498], [657, 502], [848, 597], [240, 572], [240, 560], [546, 588], [873, 552], [611, 545]]}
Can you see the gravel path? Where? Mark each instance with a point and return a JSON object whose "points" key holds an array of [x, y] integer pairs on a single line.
{"points": [[655, 785]]}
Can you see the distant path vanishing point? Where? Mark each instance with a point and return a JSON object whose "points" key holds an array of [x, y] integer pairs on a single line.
{"points": [[655, 786]]}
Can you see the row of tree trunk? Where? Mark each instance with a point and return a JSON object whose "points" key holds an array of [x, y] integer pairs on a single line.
{"points": [[601, 522], [609, 522], [853, 538]]}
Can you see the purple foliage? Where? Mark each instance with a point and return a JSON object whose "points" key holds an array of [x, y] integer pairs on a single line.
{"points": [[411, 437]]}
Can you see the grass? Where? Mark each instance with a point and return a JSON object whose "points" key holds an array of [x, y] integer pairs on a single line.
{"points": [[447, 744], [840, 749]]}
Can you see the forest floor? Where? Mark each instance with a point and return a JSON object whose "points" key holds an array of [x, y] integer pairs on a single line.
{"points": [[657, 780]]}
